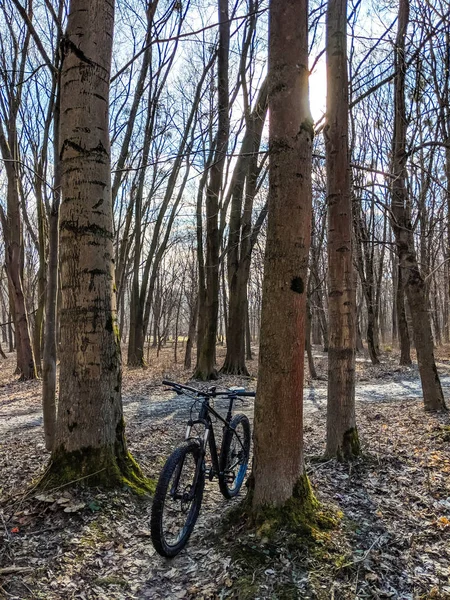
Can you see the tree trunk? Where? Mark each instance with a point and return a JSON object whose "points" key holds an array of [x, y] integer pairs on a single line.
{"points": [[342, 435], [207, 346], [49, 355], [365, 267], [248, 335], [191, 334], [90, 432], [38, 332], [403, 231], [312, 368], [239, 246], [12, 232], [394, 275], [278, 467], [51, 300]]}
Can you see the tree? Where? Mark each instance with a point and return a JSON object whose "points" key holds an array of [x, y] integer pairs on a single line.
{"points": [[12, 75], [208, 312], [90, 430], [404, 234], [342, 434], [242, 236], [278, 451]]}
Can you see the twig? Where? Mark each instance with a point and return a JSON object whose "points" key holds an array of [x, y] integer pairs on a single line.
{"points": [[4, 525], [3, 591], [319, 466], [75, 481], [11, 570], [363, 558]]}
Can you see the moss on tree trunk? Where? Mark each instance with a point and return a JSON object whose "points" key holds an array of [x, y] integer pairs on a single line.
{"points": [[95, 467], [302, 514], [350, 447], [105, 466]]}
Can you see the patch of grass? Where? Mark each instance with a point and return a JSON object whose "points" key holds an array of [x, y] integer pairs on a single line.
{"points": [[111, 580], [286, 591], [442, 433]]}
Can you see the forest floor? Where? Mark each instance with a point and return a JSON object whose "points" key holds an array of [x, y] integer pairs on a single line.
{"points": [[392, 540]]}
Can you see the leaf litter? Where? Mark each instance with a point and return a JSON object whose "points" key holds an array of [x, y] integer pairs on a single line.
{"points": [[392, 542]]}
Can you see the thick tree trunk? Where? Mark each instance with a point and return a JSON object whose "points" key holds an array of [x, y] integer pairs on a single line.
{"points": [[278, 467], [403, 231], [342, 435], [89, 442]]}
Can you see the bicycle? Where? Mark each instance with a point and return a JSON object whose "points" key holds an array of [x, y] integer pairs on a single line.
{"points": [[179, 491]]}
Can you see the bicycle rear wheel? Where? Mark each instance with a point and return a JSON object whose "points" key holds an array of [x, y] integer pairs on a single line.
{"points": [[234, 456], [177, 500]]}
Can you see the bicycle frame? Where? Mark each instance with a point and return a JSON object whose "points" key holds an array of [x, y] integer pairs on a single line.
{"points": [[204, 418]]}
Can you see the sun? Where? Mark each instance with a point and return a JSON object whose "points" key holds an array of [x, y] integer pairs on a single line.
{"points": [[318, 90]]}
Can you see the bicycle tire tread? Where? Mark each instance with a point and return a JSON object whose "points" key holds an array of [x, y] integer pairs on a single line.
{"points": [[160, 496]]}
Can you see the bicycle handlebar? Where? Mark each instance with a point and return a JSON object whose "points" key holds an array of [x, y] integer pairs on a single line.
{"points": [[179, 386]]}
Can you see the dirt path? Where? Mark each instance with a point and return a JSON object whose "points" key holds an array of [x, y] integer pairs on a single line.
{"points": [[20, 402]]}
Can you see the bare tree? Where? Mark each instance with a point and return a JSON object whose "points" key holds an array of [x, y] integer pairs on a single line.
{"points": [[342, 434], [403, 230], [208, 312], [12, 79], [90, 437], [278, 468]]}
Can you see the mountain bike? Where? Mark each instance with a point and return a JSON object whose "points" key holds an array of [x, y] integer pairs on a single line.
{"points": [[179, 491]]}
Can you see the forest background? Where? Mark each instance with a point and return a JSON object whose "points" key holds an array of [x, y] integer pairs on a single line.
{"points": [[190, 187]]}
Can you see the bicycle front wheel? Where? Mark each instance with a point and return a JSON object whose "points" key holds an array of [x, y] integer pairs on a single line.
{"points": [[177, 500], [234, 456]]}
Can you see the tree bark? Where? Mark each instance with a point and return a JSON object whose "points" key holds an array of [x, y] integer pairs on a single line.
{"points": [[12, 232], [248, 335], [278, 431], [205, 368], [51, 301], [239, 246], [342, 434], [191, 334], [90, 432], [365, 267], [403, 231], [311, 365]]}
